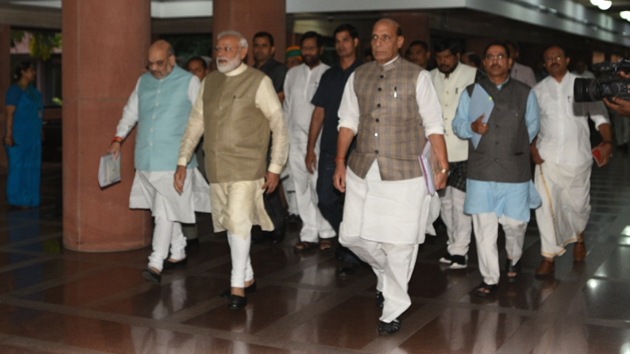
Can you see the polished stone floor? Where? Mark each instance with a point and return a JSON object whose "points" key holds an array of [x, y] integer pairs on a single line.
{"points": [[57, 301]]}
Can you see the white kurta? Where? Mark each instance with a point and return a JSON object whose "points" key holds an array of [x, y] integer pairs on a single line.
{"points": [[563, 180], [239, 204], [299, 88], [155, 191], [396, 191]]}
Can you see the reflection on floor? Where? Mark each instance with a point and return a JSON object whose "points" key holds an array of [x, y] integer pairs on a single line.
{"points": [[57, 301]]}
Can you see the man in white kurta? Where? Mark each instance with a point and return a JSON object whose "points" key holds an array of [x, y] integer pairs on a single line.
{"points": [[563, 157], [300, 85], [450, 79], [160, 105], [392, 108], [237, 110]]}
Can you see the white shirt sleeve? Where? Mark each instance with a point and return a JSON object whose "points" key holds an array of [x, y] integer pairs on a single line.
{"points": [[349, 108], [429, 105], [267, 101], [130, 114]]}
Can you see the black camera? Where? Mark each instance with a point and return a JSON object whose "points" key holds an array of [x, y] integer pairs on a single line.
{"points": [[609, 86]]}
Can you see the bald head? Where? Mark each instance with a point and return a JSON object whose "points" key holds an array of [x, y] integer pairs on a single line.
{"points": [[161, 60]]}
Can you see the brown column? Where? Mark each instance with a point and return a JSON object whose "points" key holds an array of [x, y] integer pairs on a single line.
{"points": [[249, 17], [105, 46], [5, 81], [415, 26]]}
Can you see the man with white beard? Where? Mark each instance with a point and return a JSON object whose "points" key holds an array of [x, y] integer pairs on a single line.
{"points": [[236, 111]]}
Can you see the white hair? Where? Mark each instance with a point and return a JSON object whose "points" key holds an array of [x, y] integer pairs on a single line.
{"points": [[230, 33]]}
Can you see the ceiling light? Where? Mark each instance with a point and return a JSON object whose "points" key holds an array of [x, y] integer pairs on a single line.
{"points": [[626, 16], [604, 4]]}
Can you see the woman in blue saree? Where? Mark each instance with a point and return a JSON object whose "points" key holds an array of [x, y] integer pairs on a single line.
{"points": [[23, 139]]}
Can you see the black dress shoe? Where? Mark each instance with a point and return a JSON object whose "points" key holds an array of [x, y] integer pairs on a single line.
{"points": [[248, 290], [151, 276], [380, 299], [172, 265], [236, 302], [385, 328]]}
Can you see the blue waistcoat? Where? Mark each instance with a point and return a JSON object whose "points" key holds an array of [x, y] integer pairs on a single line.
{"points": [[163, 111]]}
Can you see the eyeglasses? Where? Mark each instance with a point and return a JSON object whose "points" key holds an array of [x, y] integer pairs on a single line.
{"points": [[553, 59], [225, 49], [491, 57]]}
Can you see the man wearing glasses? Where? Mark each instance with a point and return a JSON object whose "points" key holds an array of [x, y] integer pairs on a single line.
{"points": [[563, 157], [236, 111], [498, 187], [160, 105]]}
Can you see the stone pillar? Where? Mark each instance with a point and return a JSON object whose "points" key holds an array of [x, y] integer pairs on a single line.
{"points": [[249, 17], [104, 52], [415, 26], [5, 81]]}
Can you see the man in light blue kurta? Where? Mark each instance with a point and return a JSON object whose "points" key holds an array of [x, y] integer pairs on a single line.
{"points": [[160, 105], [499, 187]]}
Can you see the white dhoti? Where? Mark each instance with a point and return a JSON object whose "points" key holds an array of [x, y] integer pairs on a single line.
{"points": [[155, 191], [383, 223], [565, 194]]}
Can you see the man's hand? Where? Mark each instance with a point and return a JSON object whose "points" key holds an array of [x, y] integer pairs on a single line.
{"points": [[606, 150], [479, 126], [535, 154], [114, 149], [618, 105], [339, 178], [179, 179], [440, 180], [311, 161], [271, 182]]}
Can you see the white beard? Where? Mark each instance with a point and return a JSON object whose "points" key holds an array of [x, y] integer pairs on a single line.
{"points": [[228, 66]]}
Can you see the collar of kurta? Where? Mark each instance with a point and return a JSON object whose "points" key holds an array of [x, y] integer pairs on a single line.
{"points": [[239, 70]]}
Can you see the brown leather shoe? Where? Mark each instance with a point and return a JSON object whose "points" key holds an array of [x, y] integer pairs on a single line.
{"points": [[545, 268], [579, 252]]}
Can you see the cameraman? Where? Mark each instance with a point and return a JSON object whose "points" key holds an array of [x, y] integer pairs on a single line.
{"points": [[617, 104]]}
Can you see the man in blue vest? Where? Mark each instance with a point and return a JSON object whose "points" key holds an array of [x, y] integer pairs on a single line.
{"points": [[160, 105]]}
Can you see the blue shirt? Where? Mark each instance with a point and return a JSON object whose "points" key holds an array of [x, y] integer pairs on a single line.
{"points": [[510, 199]]}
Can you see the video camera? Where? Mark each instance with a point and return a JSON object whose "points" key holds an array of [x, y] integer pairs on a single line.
{"points": [[609, 86]]}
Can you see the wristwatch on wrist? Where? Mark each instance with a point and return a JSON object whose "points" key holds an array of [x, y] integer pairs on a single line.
{"points": [[444, 171]]}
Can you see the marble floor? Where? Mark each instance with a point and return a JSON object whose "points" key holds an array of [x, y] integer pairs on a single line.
{"points": [[57, 301]]}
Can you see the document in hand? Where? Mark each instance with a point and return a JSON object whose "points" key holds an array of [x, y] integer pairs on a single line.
{"points": [[480, 103], [109, 170], [427, 163]]}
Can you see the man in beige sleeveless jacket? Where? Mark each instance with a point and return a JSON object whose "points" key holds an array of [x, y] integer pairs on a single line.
{"points": [[391, 106], [236, 111]]}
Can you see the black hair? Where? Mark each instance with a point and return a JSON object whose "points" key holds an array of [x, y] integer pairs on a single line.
{"points": [[500, 44], [423, 44], [22, 66], [197, 58], [312, 34], [346, 27], [563, 49], [448, 44], [263, 34]]}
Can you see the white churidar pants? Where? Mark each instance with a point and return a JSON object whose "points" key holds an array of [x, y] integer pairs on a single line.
{"points": [[458, 224], [166, 234], [314, 225], [487, 232]]}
